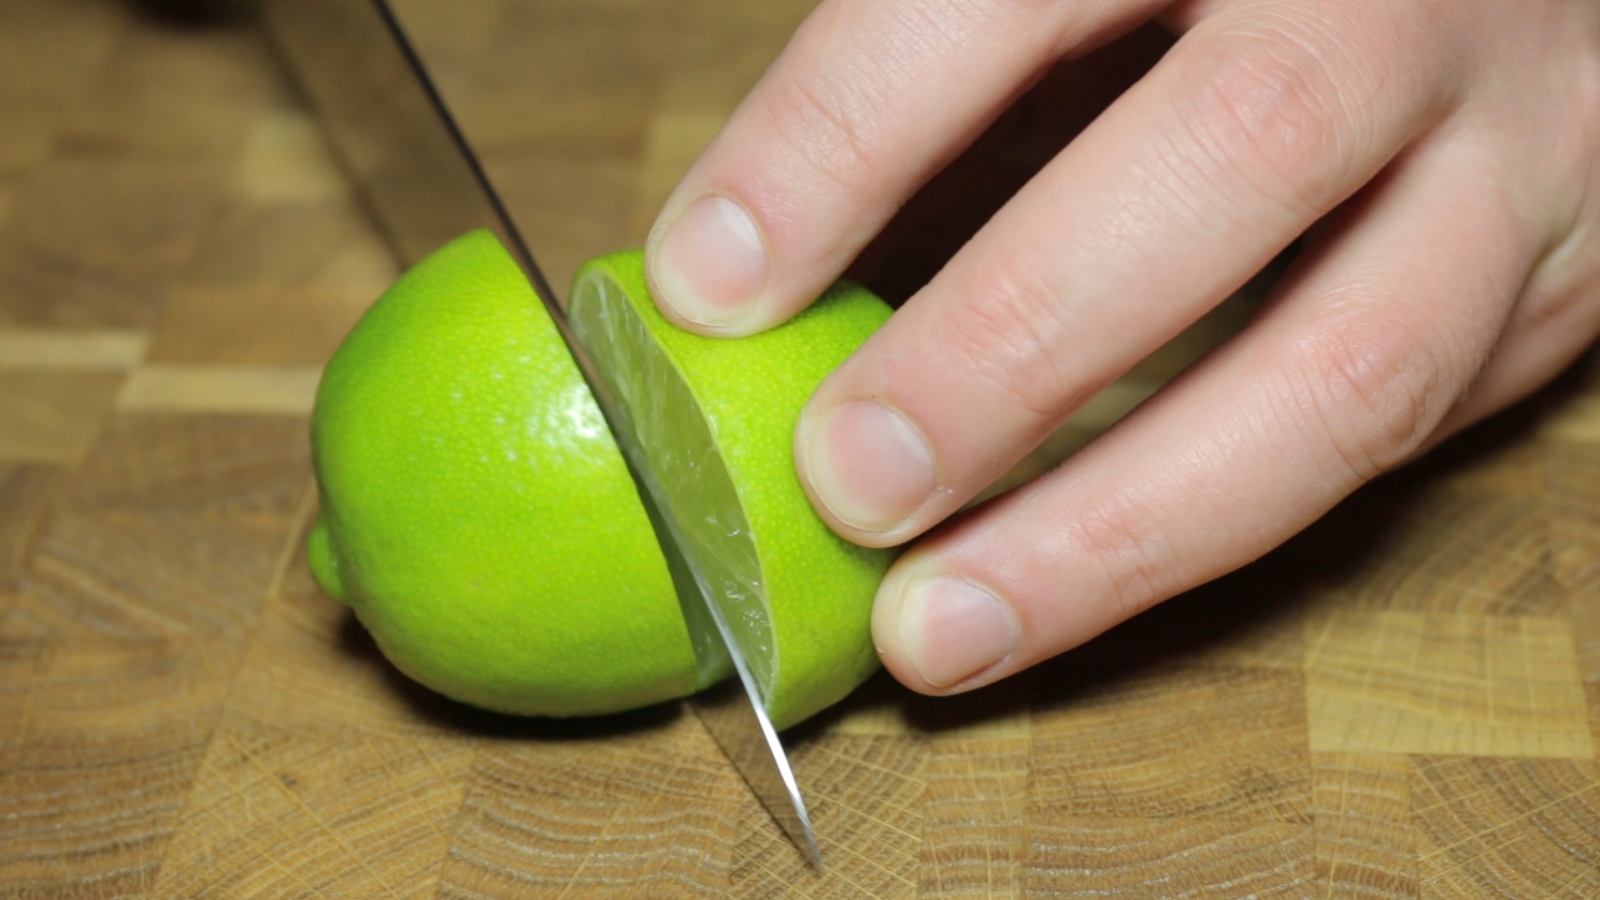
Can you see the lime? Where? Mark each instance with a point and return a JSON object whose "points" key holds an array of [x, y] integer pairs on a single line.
{"points": [[476, 513], [709, 424]]}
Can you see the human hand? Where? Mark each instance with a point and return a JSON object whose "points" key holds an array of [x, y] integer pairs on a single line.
{"points": [[1441, 158]]}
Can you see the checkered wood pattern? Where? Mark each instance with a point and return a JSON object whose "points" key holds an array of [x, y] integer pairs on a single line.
{"points": [[1401, 703]]}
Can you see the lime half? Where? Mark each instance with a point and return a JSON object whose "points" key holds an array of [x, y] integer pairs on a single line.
{"points": [[476, 513], [708, 424]]}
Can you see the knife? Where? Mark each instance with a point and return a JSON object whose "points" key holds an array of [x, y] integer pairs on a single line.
{"points": [[425, 186]]}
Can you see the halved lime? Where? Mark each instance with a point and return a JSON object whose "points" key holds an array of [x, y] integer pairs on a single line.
{"points": [[476, 513], [478, 516]]}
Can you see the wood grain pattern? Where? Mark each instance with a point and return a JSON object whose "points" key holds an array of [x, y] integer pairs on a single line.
{"points": [[1508, 827], [1192, 743], [25, 489], [218, 389], [1404, 682], [974, 822], [41, 349], [269, 811], [52, 417], [579, 814], [1400, 704], [1152, 858], [1365, 845]]}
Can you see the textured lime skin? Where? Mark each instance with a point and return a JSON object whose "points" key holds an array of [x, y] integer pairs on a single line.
{"points": [[815, 646], [476, 513]]}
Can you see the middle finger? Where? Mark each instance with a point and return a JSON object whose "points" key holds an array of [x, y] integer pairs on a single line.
{"points": [[1261, 119]]}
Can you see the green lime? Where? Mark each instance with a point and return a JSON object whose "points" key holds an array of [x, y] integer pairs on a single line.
{"points": [[480, 519]]}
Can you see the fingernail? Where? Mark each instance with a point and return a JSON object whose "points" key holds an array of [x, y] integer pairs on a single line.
{"points": [[710, 263], [869, 466], [952, 629]]}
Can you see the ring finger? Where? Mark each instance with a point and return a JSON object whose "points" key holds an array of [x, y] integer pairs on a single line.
{"points": [[1374, 335]]}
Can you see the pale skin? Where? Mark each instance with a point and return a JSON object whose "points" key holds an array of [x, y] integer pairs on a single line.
{"points": [[1441, 158]]}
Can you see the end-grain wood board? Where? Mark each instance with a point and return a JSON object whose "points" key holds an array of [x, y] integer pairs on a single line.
{"points": [[1399, 704]]}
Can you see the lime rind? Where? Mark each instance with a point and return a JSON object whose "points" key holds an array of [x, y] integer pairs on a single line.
{"points": [[324, 564]]}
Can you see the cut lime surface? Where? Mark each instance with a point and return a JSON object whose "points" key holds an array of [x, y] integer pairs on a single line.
{"points": [[709, 424]]}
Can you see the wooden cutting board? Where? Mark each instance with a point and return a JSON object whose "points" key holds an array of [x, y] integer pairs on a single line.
{"points": [[1399, 704]]}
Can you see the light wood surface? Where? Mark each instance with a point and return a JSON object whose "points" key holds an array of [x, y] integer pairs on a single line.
{"points": [[1400, 703]]}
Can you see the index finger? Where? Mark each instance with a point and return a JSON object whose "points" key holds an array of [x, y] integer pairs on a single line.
{"points": [[870, 98]]}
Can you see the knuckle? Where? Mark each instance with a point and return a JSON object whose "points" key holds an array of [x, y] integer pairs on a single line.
{"points": [[830, 126], [1265, 111], [1375, 390], [1007, 338], [1134, 555], [1585, 105], [997, 25], [998, 14], [1583, 80], [1028, 9]]}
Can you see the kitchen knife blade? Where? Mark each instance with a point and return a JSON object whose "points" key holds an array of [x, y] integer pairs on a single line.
{"points": [[425, 186]]}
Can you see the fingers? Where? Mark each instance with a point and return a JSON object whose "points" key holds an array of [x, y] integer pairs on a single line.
{"points": [[1374, 335], [869, 99], [1257, 123], [1551, 327]]}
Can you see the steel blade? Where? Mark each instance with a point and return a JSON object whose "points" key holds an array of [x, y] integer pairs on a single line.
{"points": [[424, 184]]}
